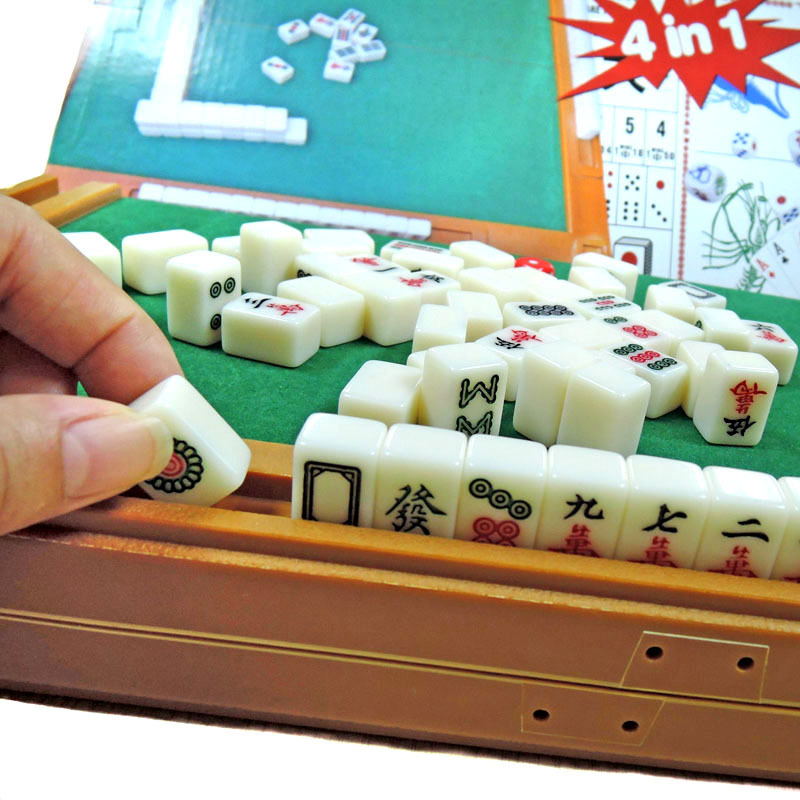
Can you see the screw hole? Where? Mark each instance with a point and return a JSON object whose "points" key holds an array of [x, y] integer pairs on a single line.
{"points": [[630, 726], [654, 653], [541, 715], [745, 663]]}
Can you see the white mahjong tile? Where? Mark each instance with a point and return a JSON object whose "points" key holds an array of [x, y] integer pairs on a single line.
{"points": [[537, 281], [536, 315], [437, 325], [351, 18], [592, 334], [397, 245], [383, 391], [604, 409], [268, 250], [607, 305], [324, 265], [344, 53], [100, 252], [787, 563], [391, 308], [296, 131], [145, 256], [191, 119], [343, 242], [480, 254], [227, 245], [501, 491], [335, 468], [700, 297], [745, 525], [436, 285], [277, 330], [542, 385], [342, 309], [341, 34], [679, 330], [645, 334], [322, 25], [584, 501], [480, 310], [232, 121], [667, 376], [416, 359], [734, 398], [199, 284], [597, 280], [504, 284], [415, 258], [209, 459], [463, 388], [213, 114], [775, 344], [339, 71], [668, 501], [558, 291], [624, 272], [419, 477], [670, 300], [373, 263], [277, 70], [364, 33], [511, 343], [293, 31], [371, 51], [694, 355]]}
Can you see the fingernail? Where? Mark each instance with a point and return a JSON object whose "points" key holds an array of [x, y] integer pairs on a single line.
{"points": [[109, 454]]}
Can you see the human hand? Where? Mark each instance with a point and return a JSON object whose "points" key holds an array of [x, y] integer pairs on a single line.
{"points": [[62, 320]]}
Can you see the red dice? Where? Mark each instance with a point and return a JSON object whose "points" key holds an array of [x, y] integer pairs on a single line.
{"points": [[536, 263]]}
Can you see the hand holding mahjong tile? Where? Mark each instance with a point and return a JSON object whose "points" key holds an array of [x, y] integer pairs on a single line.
{"points": [[59, 451]]}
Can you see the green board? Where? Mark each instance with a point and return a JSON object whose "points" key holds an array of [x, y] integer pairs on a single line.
{"points": [[271, 403], [460, 118]]}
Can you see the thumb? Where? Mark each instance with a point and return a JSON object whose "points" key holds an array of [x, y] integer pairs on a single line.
{"points": [[59, 452]]}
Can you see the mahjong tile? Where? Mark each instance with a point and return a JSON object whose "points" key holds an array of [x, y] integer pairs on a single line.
{"points": [[745, 525], [419, 477], [774, 344], [604, 409], [383, 391], [437, 325], [463, 388], [734, 398], [502, 486], [695, 356], [597, 280], [542, 386], [335, 469], [668, 501], [787, 563], [480, 254], [480, 310], [267, 254], [624, 272], [584, 501]]}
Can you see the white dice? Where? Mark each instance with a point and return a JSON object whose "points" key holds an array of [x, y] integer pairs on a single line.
{"points": [[199, 285], [145, 256], [209, 460], [276, 330]]}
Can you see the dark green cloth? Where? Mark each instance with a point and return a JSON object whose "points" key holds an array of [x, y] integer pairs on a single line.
{"points": [[272, 403]]}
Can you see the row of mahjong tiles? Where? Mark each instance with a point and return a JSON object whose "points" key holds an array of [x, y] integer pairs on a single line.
{"points": [[495, 490], [272, 403]]}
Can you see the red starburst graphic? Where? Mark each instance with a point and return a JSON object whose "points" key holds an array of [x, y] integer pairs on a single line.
{"points": [[699, 42]]}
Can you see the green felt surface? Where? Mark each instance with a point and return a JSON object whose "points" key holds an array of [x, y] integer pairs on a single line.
{"points": [[460, 118], [272, 403]]}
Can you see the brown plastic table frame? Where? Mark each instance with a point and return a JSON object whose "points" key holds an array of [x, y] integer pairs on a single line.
{"points": [[240, 610], [582, 171]]}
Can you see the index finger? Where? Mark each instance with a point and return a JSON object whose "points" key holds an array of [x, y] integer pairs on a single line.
{"points": [[55, 301]]}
